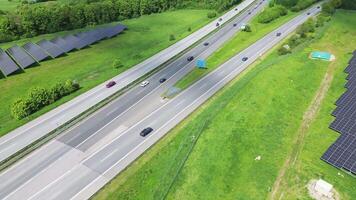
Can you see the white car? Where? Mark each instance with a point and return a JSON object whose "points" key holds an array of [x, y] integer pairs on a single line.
{"points": [[144, 83]]}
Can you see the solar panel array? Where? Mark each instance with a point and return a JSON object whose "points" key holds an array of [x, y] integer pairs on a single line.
{"points": [[342, 153], [30, 53], [35, 51], [22, 58], [7, 65]]}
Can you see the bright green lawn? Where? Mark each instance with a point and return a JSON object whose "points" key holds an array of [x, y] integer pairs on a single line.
{"points": [[257, 114], [320, 137], [7, 5], [145, 36], [232, 47]]}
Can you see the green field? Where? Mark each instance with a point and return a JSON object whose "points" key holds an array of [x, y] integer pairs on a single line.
{"points": [[7, 5], [232, 47], [211, 154], [146, 36]]}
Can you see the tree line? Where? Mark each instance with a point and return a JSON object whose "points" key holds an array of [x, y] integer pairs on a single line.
{"points": [[41, 18]]}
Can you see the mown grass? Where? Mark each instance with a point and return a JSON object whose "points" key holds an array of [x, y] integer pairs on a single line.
{"points": [[232, 47], [6, 5], [339, 40], [145, 36], [258, 114]]}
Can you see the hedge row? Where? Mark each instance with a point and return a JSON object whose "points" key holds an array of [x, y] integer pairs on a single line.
{"points": [[272, 13], [39, 97], [41, 18], [296, 5]]}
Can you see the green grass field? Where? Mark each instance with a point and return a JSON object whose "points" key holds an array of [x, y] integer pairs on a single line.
{"points": [[146, 36], [7, 5], [211, 154], [232, 47]]}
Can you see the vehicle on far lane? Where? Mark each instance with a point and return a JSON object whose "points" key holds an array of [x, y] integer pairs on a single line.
{"points": [[279, 34], [146, 131], [220, 19], [162, 80], [308, 13], [235, 25], [190, 58], [110, 84], [244, 59], [206, 43], [249, 13], [144, 83], [217, 24]]}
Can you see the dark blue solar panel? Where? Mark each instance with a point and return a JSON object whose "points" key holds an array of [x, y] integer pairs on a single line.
{"points": [[72, 41], [62, 44], [7, 65], [342, 154], [50, 48], [35, 51], [22, 58]]}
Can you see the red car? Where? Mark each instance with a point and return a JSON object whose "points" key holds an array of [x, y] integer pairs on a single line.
{"points": [[110, 84]]}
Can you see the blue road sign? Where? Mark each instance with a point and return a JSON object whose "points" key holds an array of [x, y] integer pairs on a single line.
{"points": [[201, 63]]}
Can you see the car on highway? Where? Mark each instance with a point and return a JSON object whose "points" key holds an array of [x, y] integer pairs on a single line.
{"points": [[244, 59], [110, 84], [308, 13], [144, 83], [206, 43], [249, 13], [236, 9], [162, 80], [220, 19], [318, 7], [146, 131], [235, 25], [278, 34], [190, 58], [217, 24]]}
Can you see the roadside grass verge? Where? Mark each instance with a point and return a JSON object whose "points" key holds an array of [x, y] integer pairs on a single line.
{"points": [[145, 37], [258, 114], [339, 40], [233, 46]]}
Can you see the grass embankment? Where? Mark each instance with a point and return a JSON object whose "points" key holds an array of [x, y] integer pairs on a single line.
{"points": [[145, 36], [341, 42], [232, 47], [6, 5], [258, 114]]}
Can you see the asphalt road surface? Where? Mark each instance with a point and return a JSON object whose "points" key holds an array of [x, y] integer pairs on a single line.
{"points": [[39, 127], [71, 168]]}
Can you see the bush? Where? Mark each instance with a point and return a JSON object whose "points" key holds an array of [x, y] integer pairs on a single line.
{"points": [[117, 64], [211, 15], [283, 50], [270, 14], [247, 28], [171, 37], [39, 97]]}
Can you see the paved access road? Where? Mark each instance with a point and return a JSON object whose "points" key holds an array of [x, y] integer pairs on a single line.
{"points": [[37, 170], [30, 132], [78, 174]]}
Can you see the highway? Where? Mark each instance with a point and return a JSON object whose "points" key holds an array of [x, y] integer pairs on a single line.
{"points": [[101, 127], [77, 173], [25, 135]]}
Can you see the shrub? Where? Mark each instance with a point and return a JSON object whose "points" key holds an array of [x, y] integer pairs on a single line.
{"points": [[270, 14], [117, 64], [171, 37], [211, 15], [283, 50], [39, 97], [247, 28]]}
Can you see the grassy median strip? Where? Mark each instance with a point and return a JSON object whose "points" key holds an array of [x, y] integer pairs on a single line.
{"points": [[146, 36], [232, 47], [252, 124]]}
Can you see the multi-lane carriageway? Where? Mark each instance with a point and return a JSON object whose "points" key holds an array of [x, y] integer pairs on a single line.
{"points": [[76, 167]]}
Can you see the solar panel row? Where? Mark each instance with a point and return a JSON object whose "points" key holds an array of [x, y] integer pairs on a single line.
{"points": [[7, 65], [342, 153], [31, 53]]}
